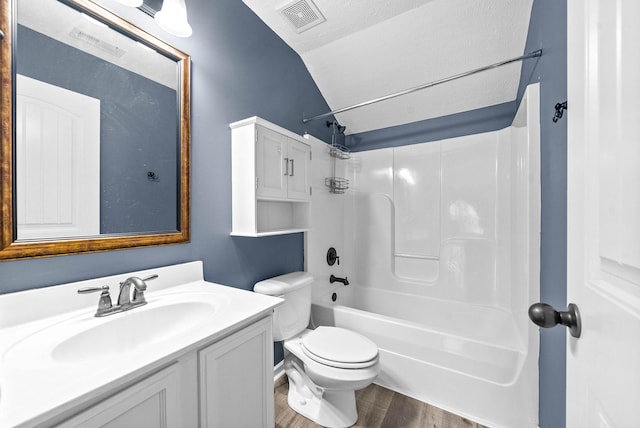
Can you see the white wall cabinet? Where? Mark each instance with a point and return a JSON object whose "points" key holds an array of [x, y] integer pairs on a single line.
{"points": [[271, 188], [227, 383]]}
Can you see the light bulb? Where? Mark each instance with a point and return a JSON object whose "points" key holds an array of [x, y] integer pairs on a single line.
{"points": [[172, 18], [132, 3]]}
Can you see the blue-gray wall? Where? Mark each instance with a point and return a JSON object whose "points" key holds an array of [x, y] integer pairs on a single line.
{"points": [[471, 122], [547, 31], [138, 131], [240, 68]]}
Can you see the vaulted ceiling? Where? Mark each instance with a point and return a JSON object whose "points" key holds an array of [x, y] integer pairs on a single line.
{"points": [[365, 49]]}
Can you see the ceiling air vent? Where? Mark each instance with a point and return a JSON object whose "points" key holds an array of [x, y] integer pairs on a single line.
{"points": [[302, 15], [114, 50]]}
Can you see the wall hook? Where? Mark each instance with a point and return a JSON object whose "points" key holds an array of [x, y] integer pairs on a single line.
{"points": [[560, 108]]}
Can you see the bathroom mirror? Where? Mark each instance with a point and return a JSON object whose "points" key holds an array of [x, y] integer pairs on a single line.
{"points": [[95, 132]]}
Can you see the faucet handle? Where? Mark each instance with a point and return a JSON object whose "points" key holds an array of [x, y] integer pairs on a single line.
{"points": [[87, 290], [104, 304], [139, 287], [150, 277]]}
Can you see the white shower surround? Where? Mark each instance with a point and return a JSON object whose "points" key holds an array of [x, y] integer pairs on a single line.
{"points": [[445, 293]]}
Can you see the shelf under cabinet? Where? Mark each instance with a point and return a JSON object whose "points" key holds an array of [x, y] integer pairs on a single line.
{"points": [[274, 217]]}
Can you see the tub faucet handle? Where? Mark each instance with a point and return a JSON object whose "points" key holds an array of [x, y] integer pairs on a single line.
{"points": [[332, 257]]}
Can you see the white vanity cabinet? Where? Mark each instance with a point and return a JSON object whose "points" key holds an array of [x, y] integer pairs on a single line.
{"points": [[236, 380], [152, 402], [271, 186], [227, 383]]}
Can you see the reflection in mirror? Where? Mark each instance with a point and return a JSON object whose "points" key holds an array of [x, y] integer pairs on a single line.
{"points": [[101, 132], [95, 114]]}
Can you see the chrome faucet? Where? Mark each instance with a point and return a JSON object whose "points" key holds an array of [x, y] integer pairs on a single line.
{"points": [[128, 300], [334, 278]]}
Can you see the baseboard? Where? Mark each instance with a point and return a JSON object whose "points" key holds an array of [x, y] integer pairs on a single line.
{"points": [[278, 374]]}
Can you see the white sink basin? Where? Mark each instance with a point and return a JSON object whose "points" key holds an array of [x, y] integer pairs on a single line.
{"points": [[132, 330], [87, 339]]}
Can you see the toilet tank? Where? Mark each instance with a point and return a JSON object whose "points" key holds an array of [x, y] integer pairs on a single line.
{"points": [[291, 317]]}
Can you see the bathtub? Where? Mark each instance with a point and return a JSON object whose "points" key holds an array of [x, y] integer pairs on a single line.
{"points": [[467, 359]]}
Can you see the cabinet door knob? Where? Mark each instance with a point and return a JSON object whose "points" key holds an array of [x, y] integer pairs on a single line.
{"points": [[286, 166], [291, 160]]}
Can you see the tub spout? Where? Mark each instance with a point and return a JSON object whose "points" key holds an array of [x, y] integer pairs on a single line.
{"points": [[334, 278]]}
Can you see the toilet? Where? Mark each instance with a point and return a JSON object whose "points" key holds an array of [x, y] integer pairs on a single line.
{"points": [[325, 366]]}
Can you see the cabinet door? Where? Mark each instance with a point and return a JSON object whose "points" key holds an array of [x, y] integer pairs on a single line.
{"points": [[236, 380], [298, 178], [152, 403], [271, 164]]}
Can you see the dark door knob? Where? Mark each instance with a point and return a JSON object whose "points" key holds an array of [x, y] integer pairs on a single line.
{"points": [[546, 316]]}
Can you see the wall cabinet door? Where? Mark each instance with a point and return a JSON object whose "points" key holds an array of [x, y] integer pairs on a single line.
{"points": [[298, 155], [271, 164], [282, 166], [236, 380], [152, 402]]}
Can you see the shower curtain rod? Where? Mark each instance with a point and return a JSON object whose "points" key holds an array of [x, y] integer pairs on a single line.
{"points": [[533, 54]]}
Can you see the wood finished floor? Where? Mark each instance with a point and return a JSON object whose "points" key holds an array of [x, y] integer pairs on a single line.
{"points": [[378, 407]]}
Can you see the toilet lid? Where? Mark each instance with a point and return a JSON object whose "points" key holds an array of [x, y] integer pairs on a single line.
{"points": [[338, 347]]}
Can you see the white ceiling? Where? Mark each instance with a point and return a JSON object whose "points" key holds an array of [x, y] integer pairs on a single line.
{"points": [[58, 21], [370, 48]]}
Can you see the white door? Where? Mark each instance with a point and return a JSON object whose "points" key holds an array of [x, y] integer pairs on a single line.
{"points": [[603, 365], [58, 161]]}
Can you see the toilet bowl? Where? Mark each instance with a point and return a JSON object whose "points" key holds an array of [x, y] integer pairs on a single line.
{"points": [[323, 379], [325, 366]]}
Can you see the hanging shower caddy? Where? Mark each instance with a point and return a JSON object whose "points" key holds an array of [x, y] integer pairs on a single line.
{"points": [[337, 185]]}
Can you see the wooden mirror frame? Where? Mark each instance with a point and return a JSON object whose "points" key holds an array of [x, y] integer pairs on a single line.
{"points": [[10, 249]]}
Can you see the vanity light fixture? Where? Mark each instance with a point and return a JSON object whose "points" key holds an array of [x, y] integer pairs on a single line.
{"points": [[172, 18], [132, 3]]}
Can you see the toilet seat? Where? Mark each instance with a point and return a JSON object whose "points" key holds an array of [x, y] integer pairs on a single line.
{"points": [[340, 348]]}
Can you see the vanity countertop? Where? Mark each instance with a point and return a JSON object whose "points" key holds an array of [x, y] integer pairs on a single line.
{"points": [[34, 385]]}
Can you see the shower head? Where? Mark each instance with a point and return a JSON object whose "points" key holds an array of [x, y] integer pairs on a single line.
{"points": [[337, 126]]}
